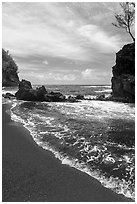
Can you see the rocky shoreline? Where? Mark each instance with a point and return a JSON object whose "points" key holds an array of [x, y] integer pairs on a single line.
{"points": [[123, 81], [27, 93]]}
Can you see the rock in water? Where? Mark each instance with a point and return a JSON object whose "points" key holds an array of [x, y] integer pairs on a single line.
{"points": [[24, 84], [27, 93], [55, 97], [9, 70], [123, 80], [101, 97], [8, 95], [72, 99], [80, 97]]}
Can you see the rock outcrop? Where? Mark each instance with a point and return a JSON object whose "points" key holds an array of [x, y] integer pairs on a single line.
{"points": [[9, 70], [80, 97], [8, 95], [123, 80], [27, 93]]}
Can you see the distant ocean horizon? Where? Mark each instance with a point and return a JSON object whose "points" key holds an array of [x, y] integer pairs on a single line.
{"points": [[96, 137], [70, 84]]}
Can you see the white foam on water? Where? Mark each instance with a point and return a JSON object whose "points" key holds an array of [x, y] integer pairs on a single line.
{"points": [[89, 97], [112, 183], [94, 86], [118, 186], [104, 90], [109, 159], [99, 110], [9, 90]]}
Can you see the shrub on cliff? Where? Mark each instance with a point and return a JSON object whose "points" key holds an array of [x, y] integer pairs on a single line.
{"points": [[126, 19], [9, 70]]}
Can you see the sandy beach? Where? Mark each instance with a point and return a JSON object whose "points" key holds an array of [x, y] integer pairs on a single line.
{"points": [[33, 174]]}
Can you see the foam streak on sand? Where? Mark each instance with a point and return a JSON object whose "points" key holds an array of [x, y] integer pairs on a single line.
{"points": [[61, 128]]}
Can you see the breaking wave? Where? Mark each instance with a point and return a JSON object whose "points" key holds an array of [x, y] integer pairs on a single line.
{"points": [[96, 137]]}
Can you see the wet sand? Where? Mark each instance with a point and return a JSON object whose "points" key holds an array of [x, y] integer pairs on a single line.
{"points": [[30, 173]]}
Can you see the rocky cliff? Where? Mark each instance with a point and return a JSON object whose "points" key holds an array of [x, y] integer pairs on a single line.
{"points": [[123, 80], [9, 70]]}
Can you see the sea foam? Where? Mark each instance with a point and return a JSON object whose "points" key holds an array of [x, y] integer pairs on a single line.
{"points": [[118, 186]]}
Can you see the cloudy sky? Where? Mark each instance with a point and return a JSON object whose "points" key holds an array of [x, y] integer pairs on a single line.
{"points": [[63, 43]]}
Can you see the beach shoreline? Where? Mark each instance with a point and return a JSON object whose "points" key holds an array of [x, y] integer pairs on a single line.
{"points": [[33, 174]]}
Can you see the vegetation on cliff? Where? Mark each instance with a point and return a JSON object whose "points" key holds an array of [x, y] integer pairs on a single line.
{"points": [[126, 19], [9, 70]]}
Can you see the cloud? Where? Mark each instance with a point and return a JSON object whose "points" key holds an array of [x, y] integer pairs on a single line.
{"points": [[51, 76], [27, 31], [49, 37], [45, 62], [60, 77], [48, 29], [99, 38], [87, 73], [90, 75]]}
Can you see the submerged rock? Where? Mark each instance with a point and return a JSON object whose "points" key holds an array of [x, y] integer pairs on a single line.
{"points": [[123, 80], [100, 97], [80, 97], [8, 95], [72, 99]]}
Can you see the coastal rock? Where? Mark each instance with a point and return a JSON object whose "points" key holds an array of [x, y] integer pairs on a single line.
{"points": [[8, 95], [9, 70], [27, 93], [40, 93], [24, 84], [80, 97], [54, 97], [123, 80], [71, 99], [100, 97]]}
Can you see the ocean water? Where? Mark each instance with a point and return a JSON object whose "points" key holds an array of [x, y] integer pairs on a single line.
{"points": [[96, 137]]}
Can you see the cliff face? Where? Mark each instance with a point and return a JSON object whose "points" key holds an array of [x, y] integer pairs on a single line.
{"points": [[9, 70], [123, 80]]}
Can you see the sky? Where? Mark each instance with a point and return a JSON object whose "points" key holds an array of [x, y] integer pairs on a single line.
{"points": [[63, 43]]}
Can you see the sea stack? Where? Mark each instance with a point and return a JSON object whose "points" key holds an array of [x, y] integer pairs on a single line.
{"points": [[123, 80], [9, 70]]}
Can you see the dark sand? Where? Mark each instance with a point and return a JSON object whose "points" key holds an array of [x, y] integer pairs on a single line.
{"points": [[33, 174]]}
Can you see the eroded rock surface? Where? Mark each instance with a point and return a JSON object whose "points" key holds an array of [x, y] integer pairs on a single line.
{"points": [[123, 80]]}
